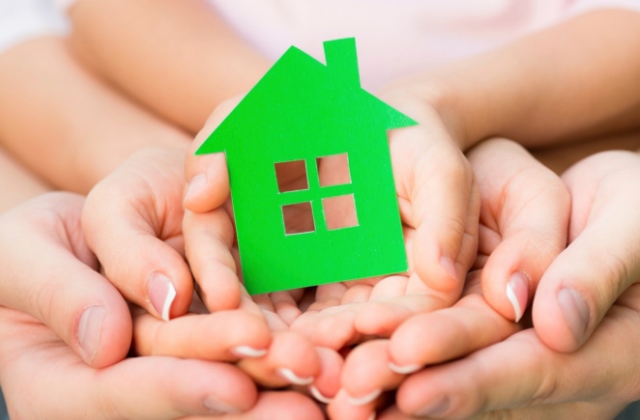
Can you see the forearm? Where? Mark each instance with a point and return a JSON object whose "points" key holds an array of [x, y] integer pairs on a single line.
{"points": [[176, 57], [575, 79], [64, 123]]}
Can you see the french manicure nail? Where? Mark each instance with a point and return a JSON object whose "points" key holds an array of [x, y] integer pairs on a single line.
{"points": [[248, 351], [318, 395], [575, 311], [161, 294], [215, 407], [436, 408], [449, 267], [403, 370], [89, 329], [364, 400], [196, 185], [293, 378], [517, 291]]}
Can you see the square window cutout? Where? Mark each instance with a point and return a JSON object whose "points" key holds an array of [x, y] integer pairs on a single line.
{"points": [[298, 218], [292, 176], [334, 170], [340, 212]]}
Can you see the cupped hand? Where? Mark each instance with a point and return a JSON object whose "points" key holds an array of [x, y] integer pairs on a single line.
{"points": [[49, 273], [522, 230], [603, 257], [439, 206]]}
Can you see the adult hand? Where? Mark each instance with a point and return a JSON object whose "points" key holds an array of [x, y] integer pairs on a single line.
{"points": [[68, 312], [522, 230], [43, 255], [524, 369]]}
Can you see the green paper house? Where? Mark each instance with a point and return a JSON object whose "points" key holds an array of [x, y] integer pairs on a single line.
{"points": [[300, 116]]}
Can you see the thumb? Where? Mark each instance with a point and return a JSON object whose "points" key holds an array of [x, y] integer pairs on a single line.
{"points": [[604, 258], [524, 219], [207, 175], [49, 273]]}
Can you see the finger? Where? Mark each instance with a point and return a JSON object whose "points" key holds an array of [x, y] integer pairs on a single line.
{"points": [[130, 219], [207, 174], [528, 207], [282, 405], [222, 336], [437, 180], [208, 239], [602, 260], [327, 384], [290, 360], [437, 337], [522, 369], [341, 409], [366, 373], [49, 272], [141, 388]]}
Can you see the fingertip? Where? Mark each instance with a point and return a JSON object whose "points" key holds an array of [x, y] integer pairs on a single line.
{"points": [[207, 182], [561, 318]]}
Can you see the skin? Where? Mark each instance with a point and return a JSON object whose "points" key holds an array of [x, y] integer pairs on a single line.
{"points": [[79, 139], [526, 371], [43, 339]]}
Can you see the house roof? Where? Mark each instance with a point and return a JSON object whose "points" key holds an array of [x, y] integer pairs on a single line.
{"points": [[299, 93]]}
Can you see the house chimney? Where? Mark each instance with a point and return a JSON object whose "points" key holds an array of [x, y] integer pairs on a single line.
{"points": [[342, 60]]}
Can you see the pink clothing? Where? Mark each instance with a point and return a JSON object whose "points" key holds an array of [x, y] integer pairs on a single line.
{"points": [[397, 38]]}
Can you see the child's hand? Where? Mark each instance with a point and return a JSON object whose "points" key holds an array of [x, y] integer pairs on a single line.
{"points": [[524, 219], [132, 220], [438, 201]]}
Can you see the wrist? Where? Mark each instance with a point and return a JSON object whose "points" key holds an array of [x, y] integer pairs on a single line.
{"points": [[424, 100]]}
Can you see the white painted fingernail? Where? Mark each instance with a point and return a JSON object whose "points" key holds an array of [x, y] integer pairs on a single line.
{"points": [[517, 292], [247, 351], [364, 400], [318, 395], [403, 370], [161, 294], [293, 378]]}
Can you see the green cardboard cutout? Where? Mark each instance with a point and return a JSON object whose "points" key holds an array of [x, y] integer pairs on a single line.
{"points": [[300, 111]]}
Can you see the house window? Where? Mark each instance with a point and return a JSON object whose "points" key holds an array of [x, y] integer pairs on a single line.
{"points": [[298, 218], [335, 170], [340, 212], [292, 176], [316, 194]]}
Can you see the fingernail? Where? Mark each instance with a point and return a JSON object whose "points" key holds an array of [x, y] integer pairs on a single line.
{"points": [[293, 378], [518, 293], [449, 267], [215, 407], [575, 311], [372, 416], [161, 294], [318, 395], [364, 400], [89, 329], [436, 408], [247, 351], [196, 185], [403, 370]]}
